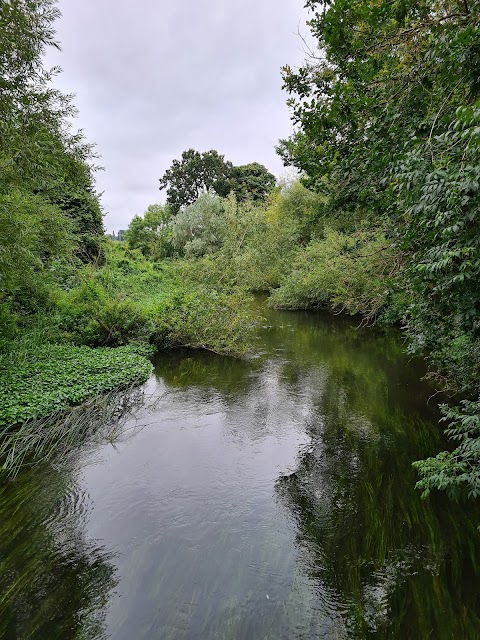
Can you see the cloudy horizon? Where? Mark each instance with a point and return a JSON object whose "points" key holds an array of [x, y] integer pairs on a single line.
{"points": [[156, 79]]}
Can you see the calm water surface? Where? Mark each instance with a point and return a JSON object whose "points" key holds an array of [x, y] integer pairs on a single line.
{"points": [[263, 499]]}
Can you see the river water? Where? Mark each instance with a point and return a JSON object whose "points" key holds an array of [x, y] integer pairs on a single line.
{"points": [[264, 499]]}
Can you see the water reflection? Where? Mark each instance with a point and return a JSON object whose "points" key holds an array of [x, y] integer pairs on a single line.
{"points": [[182, 369], [398, 567], [54, 581], [270, 498]]}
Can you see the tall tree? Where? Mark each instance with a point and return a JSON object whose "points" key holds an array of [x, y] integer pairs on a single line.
{"points": [[198, 173], [248, 182], [38, 152], [47, 201], [194, 174]]}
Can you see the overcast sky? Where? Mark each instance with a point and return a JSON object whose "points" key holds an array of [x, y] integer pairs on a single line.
{"points": [[155, 77]]}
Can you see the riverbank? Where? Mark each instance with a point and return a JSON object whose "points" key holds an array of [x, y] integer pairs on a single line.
{"points": [[41, 380], [200, 298], [97, 333]]}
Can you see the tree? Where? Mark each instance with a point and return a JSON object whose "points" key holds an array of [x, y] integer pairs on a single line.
{"points": [[200, 228], [381, 76], [249, 181], [198, 173], [47, 202], [151, 233], [72, 191], [194, 174], [39, 154]]}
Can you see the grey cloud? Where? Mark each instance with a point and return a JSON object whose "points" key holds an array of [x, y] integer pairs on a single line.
{"points": [[154, 78]]}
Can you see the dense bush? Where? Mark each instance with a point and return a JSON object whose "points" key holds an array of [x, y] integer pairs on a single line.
{"points": [[351, 273], [33, 234], [203, 318], [131, 299]]}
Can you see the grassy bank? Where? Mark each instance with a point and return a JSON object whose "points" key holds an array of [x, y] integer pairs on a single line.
{"points": [[99, 325]]}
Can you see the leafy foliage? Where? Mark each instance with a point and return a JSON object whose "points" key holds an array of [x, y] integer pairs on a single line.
{"points": [[438, 186], [457, 472], [191, 176], [198, 173], [200, 228], [439, 191], [48, 207], [350, 273], [52, 377], [151, 233], [33, 234]]}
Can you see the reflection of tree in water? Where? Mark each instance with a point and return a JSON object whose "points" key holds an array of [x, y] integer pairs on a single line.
{"points": [[53, 582], [228, 376], [394, 566], [400, 567]]}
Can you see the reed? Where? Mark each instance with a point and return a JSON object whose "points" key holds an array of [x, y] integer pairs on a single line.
{"points": [[102, 418]]}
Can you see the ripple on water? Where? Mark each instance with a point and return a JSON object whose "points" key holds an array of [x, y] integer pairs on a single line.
{"points": [[263, 499]]}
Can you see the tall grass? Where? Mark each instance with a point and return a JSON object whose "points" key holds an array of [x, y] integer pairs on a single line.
{"points": [[100, 419]]}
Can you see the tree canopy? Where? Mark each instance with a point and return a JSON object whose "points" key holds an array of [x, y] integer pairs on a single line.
{"points": [[39, 153], [248, 182], [194, 174], [198, 173], [48, 206]]}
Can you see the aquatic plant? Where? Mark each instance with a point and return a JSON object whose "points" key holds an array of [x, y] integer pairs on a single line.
{"points": [[51, 378], [57, 436]]}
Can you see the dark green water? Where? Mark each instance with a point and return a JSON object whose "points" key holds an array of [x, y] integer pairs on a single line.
{"points": [[270, 499]]}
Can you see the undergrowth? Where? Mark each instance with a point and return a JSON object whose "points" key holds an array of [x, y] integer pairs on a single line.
{"points": [[132, 299]]}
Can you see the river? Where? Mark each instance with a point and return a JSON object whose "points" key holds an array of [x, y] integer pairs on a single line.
{"points": [[262, 499]]}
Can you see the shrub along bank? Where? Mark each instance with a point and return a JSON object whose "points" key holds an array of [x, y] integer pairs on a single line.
{"points": [[98, 326]]}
